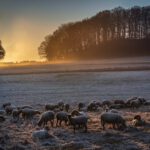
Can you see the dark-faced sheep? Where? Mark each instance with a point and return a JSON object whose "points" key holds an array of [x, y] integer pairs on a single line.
{"points": [[112, 118], [78, 121], [45, 117], [61, 117]]}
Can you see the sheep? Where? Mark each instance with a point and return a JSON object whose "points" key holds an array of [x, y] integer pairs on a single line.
{"points": [[28, 113], [75, 113], [2, 118], [137, 121], [2, 112], [61, 105], [67, 107], [80, 106], [41, 134], [16, 113], [112, 111], [26, 106], [51, 107], [106, 103], [78, 120], [119, 102], [92, 106], [138, 117], [61, 116], [112, 118], [45, 117], [134, 102], [116, 106], [6, 104], [9, 109]]}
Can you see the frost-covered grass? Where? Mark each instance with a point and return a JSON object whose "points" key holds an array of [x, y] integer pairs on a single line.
{"points": [[74, 87], [18, 135]]}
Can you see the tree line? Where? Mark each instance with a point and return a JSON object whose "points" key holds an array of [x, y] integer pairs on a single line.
{"points": [[110, 33], [2, 51]]}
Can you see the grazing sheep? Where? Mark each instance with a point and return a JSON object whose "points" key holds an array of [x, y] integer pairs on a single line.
{"points": [[137, 121], [135, 102], [2, 112], [80, 106], [26, 106], [45, 117], [106, 103], [92, 106], [142, 100], [138, 117], [9, 109], [27, 113], [61, 105], [112, 118], [78, 121], [67, 107], [75, 113], [51, 107], [116, 106], [2, 118], [112, 110], [6, 104], [119, 102], [61, 116], [16, 113]]}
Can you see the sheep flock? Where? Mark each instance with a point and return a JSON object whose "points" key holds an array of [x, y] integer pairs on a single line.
{"points": [[109, 124]]}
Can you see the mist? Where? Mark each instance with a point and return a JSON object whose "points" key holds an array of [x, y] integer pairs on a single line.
{"points": [[22, 39]]}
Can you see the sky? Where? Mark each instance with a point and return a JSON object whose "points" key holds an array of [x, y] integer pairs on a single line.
{"points": [[25, 23]]}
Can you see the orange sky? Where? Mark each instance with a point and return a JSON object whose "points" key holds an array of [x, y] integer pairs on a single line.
{"points": [[21, 42], [25, 23]]}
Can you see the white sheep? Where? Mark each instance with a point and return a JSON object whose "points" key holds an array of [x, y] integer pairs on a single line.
{"points": [[45, 117], [112, 118], [40, 134], [27, 113], [61, 116], [78, 121]]}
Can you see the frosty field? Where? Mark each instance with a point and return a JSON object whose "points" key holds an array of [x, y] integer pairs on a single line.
{"points": [[28, 85]]}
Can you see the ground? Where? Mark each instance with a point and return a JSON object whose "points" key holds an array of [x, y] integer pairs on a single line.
{"points": [[18, 135]]}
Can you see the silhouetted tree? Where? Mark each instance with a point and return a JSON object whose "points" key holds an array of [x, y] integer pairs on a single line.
{"points": [[2, 51], [114, 32]]}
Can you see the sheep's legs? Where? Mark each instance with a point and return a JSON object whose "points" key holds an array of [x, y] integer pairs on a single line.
{"points": [[74, 128], [52, 123], [57, 123], [85, 127]]}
